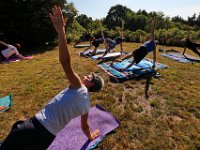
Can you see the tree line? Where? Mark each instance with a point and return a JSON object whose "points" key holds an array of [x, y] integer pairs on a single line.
{"points": [[27, 22]]}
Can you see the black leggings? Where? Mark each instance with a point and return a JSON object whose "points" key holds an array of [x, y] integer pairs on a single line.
{"points": [[196, 51], [28, 135]]}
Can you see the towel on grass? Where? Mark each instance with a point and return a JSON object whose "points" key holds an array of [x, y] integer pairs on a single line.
{"points": [[177, 56], [136, 70], [5, 103]]}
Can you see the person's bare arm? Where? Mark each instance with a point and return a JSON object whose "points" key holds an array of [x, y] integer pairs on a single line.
{"points": [[104, 40], [154, 59], [121, 59], [3, 43], [64, 56], [20, 56], [122, 35], [106, 45], [184, 49], [131, 64], [77, 42], [121, 48], [153, 30], [86, 129], [105, 53], [127, 56], [153, 39]]}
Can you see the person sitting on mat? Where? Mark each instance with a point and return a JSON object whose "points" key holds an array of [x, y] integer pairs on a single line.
{"points": [[109, 44], [191, 45], [142, 51], [85, 37], [9, 51], [39, 131]]}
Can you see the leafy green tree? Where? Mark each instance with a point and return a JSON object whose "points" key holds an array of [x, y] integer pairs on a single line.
{"points": [[84, 21], [27, 21], [74, 31], [178, 19], [198, 20], [191, 20], [142, 12], [69, 11], [96, 26], [115, 14]]}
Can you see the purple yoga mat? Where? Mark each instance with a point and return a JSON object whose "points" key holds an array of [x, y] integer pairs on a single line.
{"points": [[73, 138]]}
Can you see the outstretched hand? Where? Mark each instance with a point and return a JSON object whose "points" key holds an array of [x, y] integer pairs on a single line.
{"points": [[94, 134], [58, 20]]}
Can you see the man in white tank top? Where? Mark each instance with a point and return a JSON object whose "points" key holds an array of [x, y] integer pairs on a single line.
{"points": [[9, 51], [39, 131]]}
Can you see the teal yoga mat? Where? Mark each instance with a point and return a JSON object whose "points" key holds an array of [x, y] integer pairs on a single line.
{"points": [[5, 103]]}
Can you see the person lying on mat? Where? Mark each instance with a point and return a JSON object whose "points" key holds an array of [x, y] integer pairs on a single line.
{"points": [[109, 44], [142, 51], [191, 45], [39, 131], [9, 51], [85, 37]]}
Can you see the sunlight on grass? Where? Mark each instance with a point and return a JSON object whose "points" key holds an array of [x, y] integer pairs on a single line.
{"points": [[168, 119]]}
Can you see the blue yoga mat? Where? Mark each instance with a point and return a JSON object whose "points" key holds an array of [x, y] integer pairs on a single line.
{"points": [[177, 56], [73, 138], [136, 70], [5, 103]]}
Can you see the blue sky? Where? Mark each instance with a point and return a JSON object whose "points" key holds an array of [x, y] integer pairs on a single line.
{"points": [[99, 9]]}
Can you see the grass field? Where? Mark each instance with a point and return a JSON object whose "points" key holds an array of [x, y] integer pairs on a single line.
{"points": [[169, 119]]}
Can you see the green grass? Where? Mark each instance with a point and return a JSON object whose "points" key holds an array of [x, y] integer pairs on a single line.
{"points": [[169, 119]]}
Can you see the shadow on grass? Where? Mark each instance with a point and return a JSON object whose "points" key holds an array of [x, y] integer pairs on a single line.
{"points": [[146, 76], [38, 50]]}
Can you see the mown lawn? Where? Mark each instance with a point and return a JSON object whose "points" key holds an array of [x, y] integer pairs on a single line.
{"points": [[169, 119]]}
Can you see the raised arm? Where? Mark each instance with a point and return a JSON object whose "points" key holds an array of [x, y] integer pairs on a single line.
{"points": [[153, 29], [104, 40], [64, 56], [154, 59], [105, 43], [153, 39], [122, 35]]}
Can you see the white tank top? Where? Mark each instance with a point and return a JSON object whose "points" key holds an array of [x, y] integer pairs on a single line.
{"points": [[68, 104], [9, 51]]}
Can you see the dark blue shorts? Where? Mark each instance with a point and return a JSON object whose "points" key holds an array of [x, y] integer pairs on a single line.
{"points": [[139, 54]]}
